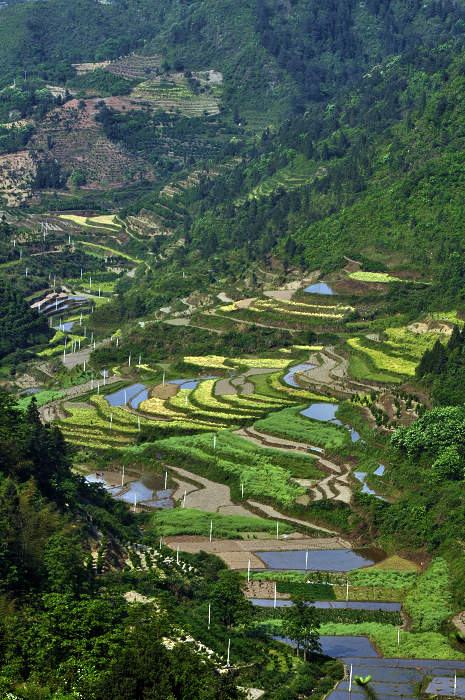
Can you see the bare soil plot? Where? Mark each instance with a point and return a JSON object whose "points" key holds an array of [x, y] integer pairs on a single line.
{"points": [[245, 303], [283, 294], [263, 589], [15, 169], [164, 392]]}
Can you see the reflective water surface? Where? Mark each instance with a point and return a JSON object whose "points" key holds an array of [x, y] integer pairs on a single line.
{"points": [[320, 288], [322, 559]]}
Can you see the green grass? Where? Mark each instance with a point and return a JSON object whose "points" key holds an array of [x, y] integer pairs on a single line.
{"points": [[118, 253], [359, 369], [382, 579], [382, 360], [429, 603], [262, 386], [42, 398], [189, 521], [235, 461], [290, 424], [423, 645]]}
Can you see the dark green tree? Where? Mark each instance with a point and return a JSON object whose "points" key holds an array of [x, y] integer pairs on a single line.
{"points": [[300, 624]]}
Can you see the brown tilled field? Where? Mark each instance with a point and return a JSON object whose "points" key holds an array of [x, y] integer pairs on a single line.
{"points": [[78, 143], [15, 169]]}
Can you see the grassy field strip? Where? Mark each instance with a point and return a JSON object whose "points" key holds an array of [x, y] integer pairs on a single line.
{"points": [[258, 469], [93, 222], [183, 402], [286, 303], [382, 361], [288, 423], [203, 397], [91, 427], [111, 250], [403, 341], [247, 401], [359, 369], [297, 393], [189, 521], [218, 362], [158, 407], [362, 276]]}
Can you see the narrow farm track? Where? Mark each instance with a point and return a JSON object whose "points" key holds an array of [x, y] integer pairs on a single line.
{"points": [[215, 497], [269, 510], [51, 411], [335, 486]]}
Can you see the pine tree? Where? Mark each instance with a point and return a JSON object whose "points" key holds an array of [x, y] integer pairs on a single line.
{"points": [[455, 339]]}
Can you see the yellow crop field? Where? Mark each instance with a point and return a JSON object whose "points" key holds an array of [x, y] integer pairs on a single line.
{"points": [[383, 361], [373, 277], [104, 220], [314, 348], [206, 360], [81, 220], [404, 341], [94, 222]]}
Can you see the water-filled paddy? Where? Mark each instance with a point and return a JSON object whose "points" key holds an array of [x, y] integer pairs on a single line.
{"points": [[320, 288], [65, 326], [330, 604], [146, 490], [380, 470], [142, 396], [327, 412], [322, 559], [289, 377], [341, 647], [121, 397], [140, 491], [189, 384]]}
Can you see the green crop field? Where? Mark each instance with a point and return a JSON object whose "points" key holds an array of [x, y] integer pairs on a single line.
{"points": [[262, 471]]}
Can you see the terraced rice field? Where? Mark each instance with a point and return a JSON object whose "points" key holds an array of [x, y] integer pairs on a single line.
{"points": [[175, 93], [93, 222], [362, 276], [292, 308], [382, 361], [101, 425]]}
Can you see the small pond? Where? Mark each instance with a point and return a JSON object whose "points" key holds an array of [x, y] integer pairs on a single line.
{"points": [[322, 559], [147, 490], [121, 397], [341, 647], [289, 377], [320, 288], [327, 412], [31, 391], [333, 604], [380, 470], [147, 496]]}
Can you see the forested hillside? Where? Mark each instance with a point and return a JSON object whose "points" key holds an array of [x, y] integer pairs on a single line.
{"points": [[232, 349]]}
